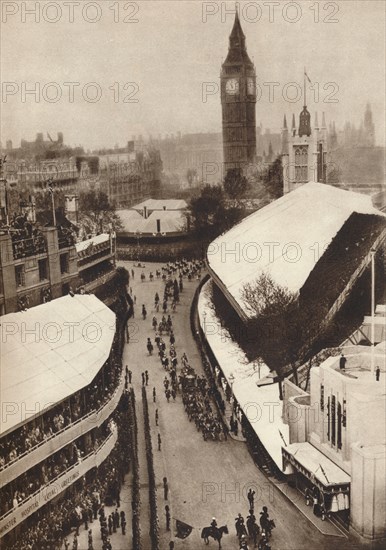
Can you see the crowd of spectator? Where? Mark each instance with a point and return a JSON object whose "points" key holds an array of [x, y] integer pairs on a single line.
{"points": [[96, 272], [17, 491], [66, 236], [63, 415], [46, 529], [27, 240]]}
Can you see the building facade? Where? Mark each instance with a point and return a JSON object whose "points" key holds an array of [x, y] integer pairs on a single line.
{"points": [[49, 264], [304, 151], [35, 267], [334, 423], [238, 100], [129, 176]]}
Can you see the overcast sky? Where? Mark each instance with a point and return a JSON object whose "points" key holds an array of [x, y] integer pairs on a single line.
{"points": [[170, 52]]}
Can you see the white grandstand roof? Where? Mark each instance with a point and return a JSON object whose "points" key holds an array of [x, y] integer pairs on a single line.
{"points": [[172, 221], [159, 204], [50, 352], [103, 237], [284, 239]]}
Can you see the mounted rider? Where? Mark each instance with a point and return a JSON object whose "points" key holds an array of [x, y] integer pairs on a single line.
{"points": [[240, 526], [244, 543]]}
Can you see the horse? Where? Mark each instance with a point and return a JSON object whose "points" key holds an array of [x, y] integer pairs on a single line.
{"points": [[267, 527], [215, 532]]}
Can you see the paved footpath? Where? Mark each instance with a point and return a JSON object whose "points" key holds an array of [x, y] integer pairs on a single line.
{"points": [[206, 479]]}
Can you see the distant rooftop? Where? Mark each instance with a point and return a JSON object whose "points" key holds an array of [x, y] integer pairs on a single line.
{"points": [[170, 221], [160, 204]]}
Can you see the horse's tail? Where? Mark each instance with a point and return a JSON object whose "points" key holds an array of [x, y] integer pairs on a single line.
{"points": [[203, 533]]}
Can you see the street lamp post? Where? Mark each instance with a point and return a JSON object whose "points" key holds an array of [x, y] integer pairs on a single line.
{"points": [[372, 252], [138, 233], [204, 315]]}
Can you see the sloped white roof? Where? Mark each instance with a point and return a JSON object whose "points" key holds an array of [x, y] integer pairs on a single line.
{"points": [[285, 238], [159, 204], [50, 352], [131, 220], [172, 221], [261, 404], [311, 459], [98, 239]]}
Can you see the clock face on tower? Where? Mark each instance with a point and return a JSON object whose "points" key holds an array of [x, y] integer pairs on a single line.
{"points": [[232, 86], [251, 86]]}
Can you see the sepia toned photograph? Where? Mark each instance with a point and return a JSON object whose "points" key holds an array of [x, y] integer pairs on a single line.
{"points": [[192, 275]]}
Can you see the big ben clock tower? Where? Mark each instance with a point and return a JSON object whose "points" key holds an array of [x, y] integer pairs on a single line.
{"points": [[238, 99]]}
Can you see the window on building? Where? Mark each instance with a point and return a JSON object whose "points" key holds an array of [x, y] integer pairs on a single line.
{"points": [[322, 397], [64, 263], [20, 275], [339, 441], [43, 272], [301, 163], [328, 419], [333, 420], [344, 419]]}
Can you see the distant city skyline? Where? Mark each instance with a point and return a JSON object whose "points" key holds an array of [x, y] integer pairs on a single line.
{"points": [[171, 55]]}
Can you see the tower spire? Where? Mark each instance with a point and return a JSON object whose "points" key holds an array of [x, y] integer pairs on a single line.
{"points": [[238, 84], [305, 117], [237, 47], [284, 137]]}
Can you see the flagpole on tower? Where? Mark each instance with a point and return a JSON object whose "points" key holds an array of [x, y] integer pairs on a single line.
{"points": [[305, 89]]}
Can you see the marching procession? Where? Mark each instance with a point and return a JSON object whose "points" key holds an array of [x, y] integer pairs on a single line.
{"points": [[200, 396]]}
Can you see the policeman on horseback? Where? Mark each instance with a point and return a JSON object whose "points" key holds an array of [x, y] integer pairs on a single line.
{"points": [[240, 526], [243, 543]]}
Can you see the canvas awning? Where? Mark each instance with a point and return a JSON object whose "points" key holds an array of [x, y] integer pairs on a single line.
{"points": [[273, 240], [316, 467], [50, 352]]}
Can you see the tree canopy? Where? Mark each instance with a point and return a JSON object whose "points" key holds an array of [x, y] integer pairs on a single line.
{"points": [[286, 330], [96, 213], [210, 214], [273, 179], [235, 184], [265, 297]]}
